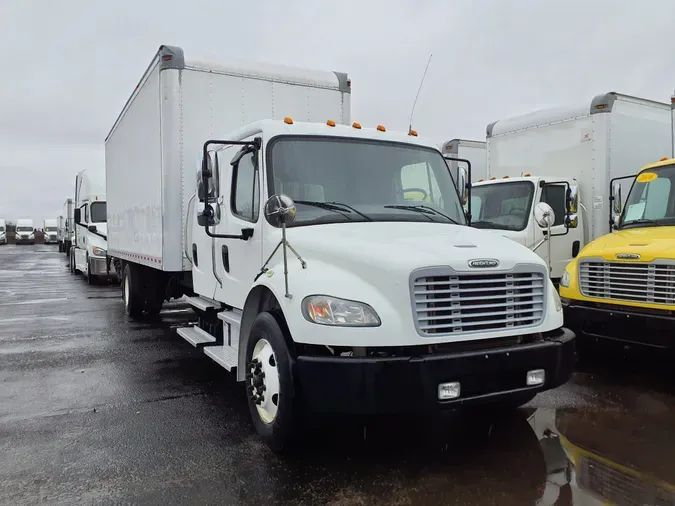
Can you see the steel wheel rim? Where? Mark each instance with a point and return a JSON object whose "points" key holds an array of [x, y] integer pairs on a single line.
{"points": [[126, 291], [263, 381]]}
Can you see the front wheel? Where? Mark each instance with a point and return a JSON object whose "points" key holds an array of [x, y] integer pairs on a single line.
{"points": [[270, 385]]}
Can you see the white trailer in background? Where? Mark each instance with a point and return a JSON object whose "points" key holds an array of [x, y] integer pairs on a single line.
{"points": [[88, 253], [50, 229], [338, 304], [538, 157], [474, 151], [24, 231], [66, 232]]}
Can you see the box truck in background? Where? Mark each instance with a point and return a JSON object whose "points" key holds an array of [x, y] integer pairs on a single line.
{"points": [[3, 231], [24, 231], [66, 232], [566, 157], [312, 275], [88, 253], [474, 151], [50, 231]]}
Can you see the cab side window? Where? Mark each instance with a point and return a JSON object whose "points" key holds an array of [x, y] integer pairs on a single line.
{"points": [[554, 196], [85, 213], [246, 190]]}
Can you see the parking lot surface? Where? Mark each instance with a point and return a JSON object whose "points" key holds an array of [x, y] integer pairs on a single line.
{"points": [[99, 409]]}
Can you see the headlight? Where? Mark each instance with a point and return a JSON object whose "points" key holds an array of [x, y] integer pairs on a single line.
{"points": [[326, 310], [565, 279], [557, 301], [98, 252]]}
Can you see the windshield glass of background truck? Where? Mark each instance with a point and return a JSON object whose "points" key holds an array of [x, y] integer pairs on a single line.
{"points": [[24, 229], [50, 229], [2, 229], [98, 212], [652, 198], [501, 205], [365, 175]]}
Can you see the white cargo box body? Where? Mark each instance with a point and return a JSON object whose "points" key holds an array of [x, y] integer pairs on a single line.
{"points": [[474, 151], [611, 136], [153, 151]]}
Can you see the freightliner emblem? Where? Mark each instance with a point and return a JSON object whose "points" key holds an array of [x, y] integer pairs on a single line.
{"points": [[483, 262], [628, 256]]}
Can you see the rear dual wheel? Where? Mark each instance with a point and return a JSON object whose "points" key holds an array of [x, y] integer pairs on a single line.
{"points": [[142, 292]]}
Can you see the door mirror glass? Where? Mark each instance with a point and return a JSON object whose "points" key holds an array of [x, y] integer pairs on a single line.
{"points": [[616, 198], [572, 199], [544, 215], [280, 210], [462, 186], [211, 165], [573, 221]]}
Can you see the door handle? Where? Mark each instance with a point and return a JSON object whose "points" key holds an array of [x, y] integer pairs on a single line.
{"points": [[226, 258]]}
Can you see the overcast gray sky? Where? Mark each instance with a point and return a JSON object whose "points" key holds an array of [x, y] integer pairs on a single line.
{"points": [[68, 66]]}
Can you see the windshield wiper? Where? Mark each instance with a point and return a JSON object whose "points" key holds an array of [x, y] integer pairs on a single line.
{"points": [[487, 224], [426, 210], [335, 206], [642, 221]]}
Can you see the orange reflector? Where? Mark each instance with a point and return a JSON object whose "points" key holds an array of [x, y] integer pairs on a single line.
{"points": [[330, 122], [413, 133], [167, 57], [381, 128], [493, 177], [601, 106], [356, 125], [505, 177], [663, 159], [481, 180], [527, 175], [288, 120]]}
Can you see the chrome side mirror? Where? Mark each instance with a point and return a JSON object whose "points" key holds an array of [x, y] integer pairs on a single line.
{"points": [[462, 186], [573, 200], [280, 211], [616, 198], [544, 215]]}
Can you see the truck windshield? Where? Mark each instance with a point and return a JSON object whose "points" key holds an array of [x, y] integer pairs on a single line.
{"points": [[651, 200], [98, 212], [2, 229], [336, 179], [504, 206], [50, 229], [24, 229]]}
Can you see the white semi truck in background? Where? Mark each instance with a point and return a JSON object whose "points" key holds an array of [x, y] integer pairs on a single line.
{"points": [[3, 231], [566, 157], [24, 231], [474, 151], [314, 275], [50, 231], [88, 253], [66, 232]]}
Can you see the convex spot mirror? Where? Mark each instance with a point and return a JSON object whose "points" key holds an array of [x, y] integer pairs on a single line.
{"points": [[280, 210], [544, 215]]}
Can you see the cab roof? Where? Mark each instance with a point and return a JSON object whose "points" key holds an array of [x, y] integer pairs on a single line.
{"points": [[660, 163]]}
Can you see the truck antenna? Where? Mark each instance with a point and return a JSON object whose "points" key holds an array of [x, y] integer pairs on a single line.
{"points": [[418, 93]]}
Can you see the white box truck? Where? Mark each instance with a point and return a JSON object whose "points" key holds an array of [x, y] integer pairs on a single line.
{"points": [[89, 251], [3, 231], [474, 151], [24, 231], [566, 157], [66, 232], [314, 278], [50, 231]]}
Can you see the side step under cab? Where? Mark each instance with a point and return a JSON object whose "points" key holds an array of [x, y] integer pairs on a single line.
{"points": [[224, 353]]}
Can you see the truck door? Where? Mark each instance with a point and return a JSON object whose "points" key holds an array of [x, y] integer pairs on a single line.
{"points": [[237, 261], [563, 247]]}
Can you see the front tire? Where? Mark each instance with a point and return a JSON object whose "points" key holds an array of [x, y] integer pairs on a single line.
{"points": [[272, 399]]}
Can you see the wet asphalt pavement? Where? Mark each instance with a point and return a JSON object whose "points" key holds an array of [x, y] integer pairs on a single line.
{"points": [[97, 409]]}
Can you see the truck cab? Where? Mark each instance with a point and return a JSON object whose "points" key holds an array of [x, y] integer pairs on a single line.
{"points": [[620, 286], [3, 231], [50, 231], [507, 207], [24, 231], [89, 251]]}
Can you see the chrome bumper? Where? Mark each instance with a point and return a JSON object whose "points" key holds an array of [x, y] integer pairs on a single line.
{"points": [[97, 267]]}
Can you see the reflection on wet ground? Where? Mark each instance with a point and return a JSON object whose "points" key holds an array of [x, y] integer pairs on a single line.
{"points": [[98, 409]]}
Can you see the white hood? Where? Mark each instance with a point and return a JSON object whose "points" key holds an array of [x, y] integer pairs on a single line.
{"points": [[407, 246]]}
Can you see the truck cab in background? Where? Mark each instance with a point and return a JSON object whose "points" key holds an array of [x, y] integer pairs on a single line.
{"points": [[66, 232], [474, 151], [566, 157], [3, 231], [24, 231], [89, 250], [50, 231]]}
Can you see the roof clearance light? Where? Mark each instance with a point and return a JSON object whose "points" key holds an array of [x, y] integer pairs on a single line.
{"points": [[330, 123], [381, 128], [356, 125], [527, 174], [167, 57], [493, 178], [413, 133], [505, 177], [600, 106], [288, 120], [663, 159], [481, 180]]}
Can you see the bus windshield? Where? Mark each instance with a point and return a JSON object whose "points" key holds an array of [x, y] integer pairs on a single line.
{"points": [[651, 200]]}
